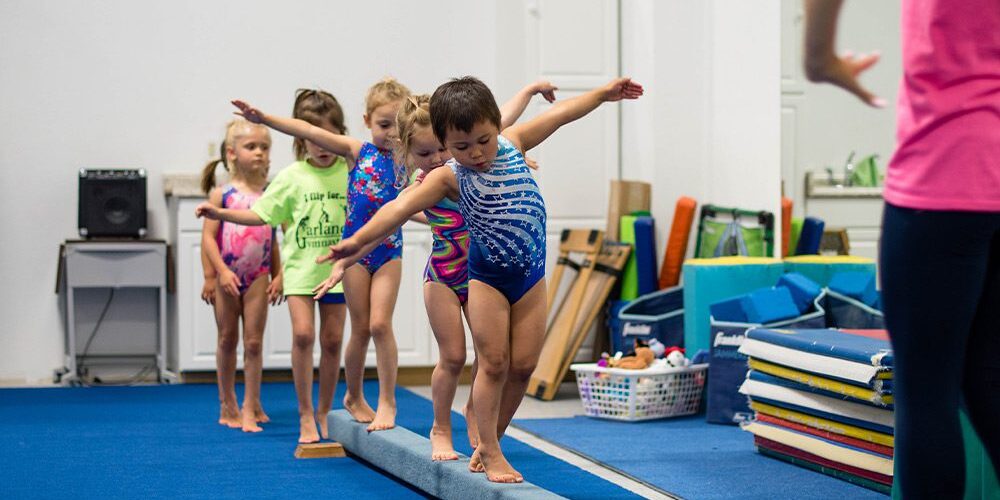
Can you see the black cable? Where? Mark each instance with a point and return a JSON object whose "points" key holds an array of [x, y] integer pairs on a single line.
{"points": [[127, 382], [86, 348]]}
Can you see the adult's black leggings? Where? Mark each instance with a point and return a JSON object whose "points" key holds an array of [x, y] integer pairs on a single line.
{"points": [[940, 274]]}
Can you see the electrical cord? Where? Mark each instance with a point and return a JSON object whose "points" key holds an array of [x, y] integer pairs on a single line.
{"points": [[86, 349], [97, 326]]}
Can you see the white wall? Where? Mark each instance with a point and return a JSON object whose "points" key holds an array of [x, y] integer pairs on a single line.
{"points": [[112, 83], [709, 124], [115, 83]]}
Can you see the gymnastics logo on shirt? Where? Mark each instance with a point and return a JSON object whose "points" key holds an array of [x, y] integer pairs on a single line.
{"points": [[318, 234]]}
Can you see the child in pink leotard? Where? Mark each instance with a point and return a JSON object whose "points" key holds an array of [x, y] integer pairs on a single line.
{"points": [[241, 259]]}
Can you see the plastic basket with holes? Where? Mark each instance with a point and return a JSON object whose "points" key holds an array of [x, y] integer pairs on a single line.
{"points": [[631, 395]]}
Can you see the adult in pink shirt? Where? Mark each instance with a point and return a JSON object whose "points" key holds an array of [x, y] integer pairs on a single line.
{"points": [[940, 247]]}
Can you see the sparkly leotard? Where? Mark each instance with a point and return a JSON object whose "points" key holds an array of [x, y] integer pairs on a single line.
{"points": [[370, 185], [449, 260], [246, 250], [505, 213]]}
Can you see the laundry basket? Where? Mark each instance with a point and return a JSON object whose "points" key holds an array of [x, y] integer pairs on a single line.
{"points": [[631, 395]]}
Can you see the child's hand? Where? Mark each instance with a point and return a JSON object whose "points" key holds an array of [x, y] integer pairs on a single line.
{"points": [[531, 163], [275, 290], [230, 283], [336, 275], [208, 291], [843, 72], [207, 210], [547, 90], [621, 88], [345, 248], [249, 112]]}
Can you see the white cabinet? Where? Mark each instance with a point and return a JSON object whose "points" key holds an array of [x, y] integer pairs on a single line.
{"points": [[193, 331]]}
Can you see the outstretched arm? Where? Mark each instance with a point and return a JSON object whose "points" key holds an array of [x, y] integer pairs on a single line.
{"points": [[530, 134], [338, 144], [243, 217], [392, 215], [512, 109], [822, 64]]}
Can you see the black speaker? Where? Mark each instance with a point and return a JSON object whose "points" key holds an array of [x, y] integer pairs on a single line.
{"points": [[112, 203]]}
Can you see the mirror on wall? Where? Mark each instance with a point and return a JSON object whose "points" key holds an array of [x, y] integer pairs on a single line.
{"points": [[834, 149]]}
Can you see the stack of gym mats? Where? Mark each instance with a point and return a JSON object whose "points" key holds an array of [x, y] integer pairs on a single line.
{"points": [[822, 399]]}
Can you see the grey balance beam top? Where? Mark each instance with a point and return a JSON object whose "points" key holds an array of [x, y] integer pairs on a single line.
{"points": [[407, 456]]}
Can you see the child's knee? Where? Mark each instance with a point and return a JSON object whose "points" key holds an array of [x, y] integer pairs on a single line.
{"points": [[452, 362], [228, 340], [253, 348], [331, 345], [521, 371], [495, 365], [303, 340], [379, 329]]}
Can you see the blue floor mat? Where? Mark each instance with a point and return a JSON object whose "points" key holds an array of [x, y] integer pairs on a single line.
{"points": [[163, 441], [690, 458]]}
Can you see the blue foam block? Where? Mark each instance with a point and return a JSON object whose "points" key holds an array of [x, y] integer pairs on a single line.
{"points": [[804, 290], [857, 285], [407, 456], [645, 255], [810, 237], [768, 305], [730, 310]]}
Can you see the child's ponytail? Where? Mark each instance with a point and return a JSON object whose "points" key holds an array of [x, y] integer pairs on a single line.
{"points": [[208, 171]]}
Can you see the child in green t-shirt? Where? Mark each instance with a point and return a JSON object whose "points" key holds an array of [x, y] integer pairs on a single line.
{"points": [[308, 199]]}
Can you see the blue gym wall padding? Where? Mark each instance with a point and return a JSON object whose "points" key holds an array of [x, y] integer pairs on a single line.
{"points": [[407, 456], [645, 255], [707, 281]]}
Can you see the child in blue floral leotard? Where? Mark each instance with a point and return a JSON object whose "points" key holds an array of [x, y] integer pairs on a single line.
{"points": [[371, 286]]}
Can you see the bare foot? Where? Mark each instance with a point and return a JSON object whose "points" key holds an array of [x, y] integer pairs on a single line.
{"points": [[441, 446], [229, 415], [476, 463], [323, 429], [248, 420], [307, 429], [498, 469], [471, 427], [359, 409], [259, 415], [385, 418]]}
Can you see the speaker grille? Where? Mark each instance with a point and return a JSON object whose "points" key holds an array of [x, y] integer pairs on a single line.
{"points": [[112, 203]]}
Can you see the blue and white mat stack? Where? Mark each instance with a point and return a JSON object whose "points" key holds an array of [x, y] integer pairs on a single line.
{"points": [[822, 399]]}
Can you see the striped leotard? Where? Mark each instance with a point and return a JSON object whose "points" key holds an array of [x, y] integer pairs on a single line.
{"points": [[449, 260], [246, 250], [370, 185], [505, 213]]}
